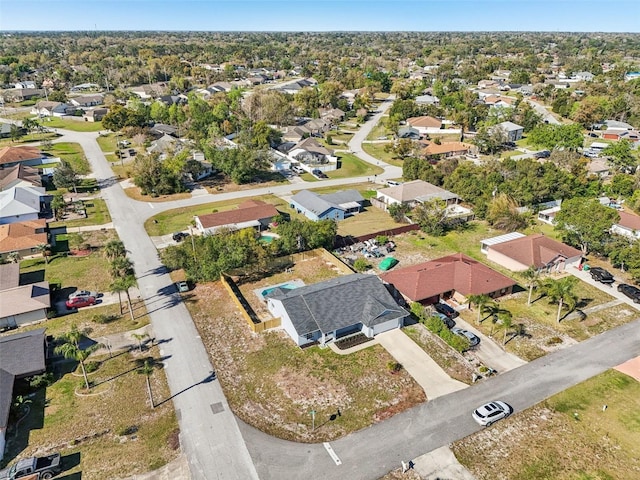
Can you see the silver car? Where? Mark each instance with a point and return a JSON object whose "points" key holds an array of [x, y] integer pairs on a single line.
{"points": [[83, 293], [461, 332], [491, 412]]}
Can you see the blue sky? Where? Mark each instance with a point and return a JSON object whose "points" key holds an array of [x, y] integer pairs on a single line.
{"points": [[322, 15]]}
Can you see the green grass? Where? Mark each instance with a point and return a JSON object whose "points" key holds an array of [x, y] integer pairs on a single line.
{"points": [[180, 218], [377, 150], [380, 130], [548, 442], [72, 153], [74, 125], [97, 214], [26, 139], [369, 221], [352, 166], [107, 142]]}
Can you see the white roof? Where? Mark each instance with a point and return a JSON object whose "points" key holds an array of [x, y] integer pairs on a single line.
{"points": [[502, 238], [20, 201], [599, 145]]}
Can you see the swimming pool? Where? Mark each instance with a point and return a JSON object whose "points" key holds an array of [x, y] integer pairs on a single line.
{"points": [[261, 293]]}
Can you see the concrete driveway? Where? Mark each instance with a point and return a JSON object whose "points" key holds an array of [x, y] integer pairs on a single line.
{"points": [[420, 366], [489, 352], [610, 289]]}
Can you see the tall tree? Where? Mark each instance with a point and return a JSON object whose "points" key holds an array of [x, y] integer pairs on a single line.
{"points": [[65, 176], [563, 292], [114, 249], [146, 369], [480, 301], [585, 223], [71, 349], [532, 276]]}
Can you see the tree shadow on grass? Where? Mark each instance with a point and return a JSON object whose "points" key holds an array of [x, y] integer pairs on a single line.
{"points": [[18, 432]]}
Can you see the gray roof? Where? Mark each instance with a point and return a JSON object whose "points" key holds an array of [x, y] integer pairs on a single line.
{"points": [[319, 204], [509, 126], [21, 355], [344, 196], [340, 302], [20, 201]]}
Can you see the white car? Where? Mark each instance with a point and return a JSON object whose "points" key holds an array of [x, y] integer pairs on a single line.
{"points": [[83, 293], [491, 412]]}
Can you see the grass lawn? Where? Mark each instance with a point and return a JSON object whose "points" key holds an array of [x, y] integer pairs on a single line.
{"points": [[369, 221], [107, 142], [272, 384], [97, 436], [548, 442], [26, 139], [380, 130], [180, 218], [74, 125], [97, 214], [377, 150], [72, 153], [134, 193], [352, 166]]}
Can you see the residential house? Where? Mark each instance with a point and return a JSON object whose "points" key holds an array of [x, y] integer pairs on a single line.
{"points": [[329, 310], [427, 100], [409, 132], [21, 304], [294, 133], [628, 225], [153, 90], [582, 77], [413, 193], [220, 87], [5, 129], [19, 175], [512, 132], [95, 114], [311, 155], [19, 204], [250, 214], [10, 156], [25, 84], [21, 355], [332, 115], [447, 149], [536, 250], [160, 129], [85, 87], [169, 100], [598, 167], [164, 145], [548, 215], [334, 206], [488, 242], [23, 238], [495, 101], [87, 100], [22, 94], [318, 126], [452, 277], [52, 109], [425, 124]]}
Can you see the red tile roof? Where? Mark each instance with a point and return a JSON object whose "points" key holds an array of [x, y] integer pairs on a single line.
{"points": [[536, 250], [18, 154], [424, 121], [453, 272], [22, 235], [246, 212]]}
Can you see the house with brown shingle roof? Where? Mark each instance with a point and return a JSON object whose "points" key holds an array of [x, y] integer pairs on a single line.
{"points": [[454, 276], [415, 192], [19, 176], [23, 237], [536, 250], [10, 156], [447, 149], [629, 225], [425, 124], [21, 304], [250, 214]]}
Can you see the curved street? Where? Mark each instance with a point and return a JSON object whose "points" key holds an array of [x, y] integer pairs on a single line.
{"points": [[218, 445]]}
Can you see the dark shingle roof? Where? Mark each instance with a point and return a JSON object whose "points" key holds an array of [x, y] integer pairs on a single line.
{"points": [[340, 302]]}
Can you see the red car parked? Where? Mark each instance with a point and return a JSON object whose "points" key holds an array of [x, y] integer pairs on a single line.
{"points": [[78, 302]]}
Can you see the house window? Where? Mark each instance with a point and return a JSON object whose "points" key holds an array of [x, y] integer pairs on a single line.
{"points": [[309, 336]]}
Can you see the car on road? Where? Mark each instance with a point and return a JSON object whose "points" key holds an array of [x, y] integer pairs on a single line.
{"points": [[79, 302], [448, 322], [542, 154], [182, 286], [630, 291], [318, 173], [445, 309], [82, 293], [461, 332], [179, 236], [601, 275], [491, 412]]}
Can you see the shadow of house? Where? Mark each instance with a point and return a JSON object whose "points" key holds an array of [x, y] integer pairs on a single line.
{"points": [[21, 355]]}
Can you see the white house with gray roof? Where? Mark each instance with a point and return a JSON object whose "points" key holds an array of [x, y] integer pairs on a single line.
{"points": [[511, 131], [334, 206], [335, 308], [19, 204]]}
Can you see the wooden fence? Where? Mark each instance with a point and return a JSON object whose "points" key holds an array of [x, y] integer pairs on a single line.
{"points": [[390, 232]]}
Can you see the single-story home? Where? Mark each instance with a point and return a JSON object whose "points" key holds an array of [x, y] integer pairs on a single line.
{"points": [[425, 124], [512, 132], [23, 238], [5, 129], [21, 355], [10, 156], [599, 168], [95, 114], [87, 100], [19, 204], [447, 149], [249, 214], [52, 109], [536, 250], [427, 100], [160, 129], [488, 242], [335, 206], [495, 101], [311, 155], [19, 175], [409, 132], [21, 304], [548, 215], [415, 192], [454, 276], [335, 308], [628, 226]]}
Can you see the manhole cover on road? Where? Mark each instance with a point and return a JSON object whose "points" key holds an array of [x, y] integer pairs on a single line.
{"points": [[217, 407]]}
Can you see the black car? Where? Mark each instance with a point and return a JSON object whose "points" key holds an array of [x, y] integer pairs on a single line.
{"points": [[601, 275], [179, 236], [542, 154], [630, 291], [446, 310]]}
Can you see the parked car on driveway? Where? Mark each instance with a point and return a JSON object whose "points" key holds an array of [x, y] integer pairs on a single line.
{"points": [[318, 173], [82, 293], [179, 236], [491, 412], [601, 275], [79, 302], [542, 154], [448, 322], [445, 309], [461, 332], [630, 291]]}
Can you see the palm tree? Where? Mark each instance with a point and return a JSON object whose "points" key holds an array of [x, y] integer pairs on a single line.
{"points": [[123, 284], [506, 322], [497, 314], [117, 287], [481, 301], [139, 337], [147, 370], [114, 249], [562, 291], [45, 249], [13, 257], [121, 267], [532, 275], [71, 349]]}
